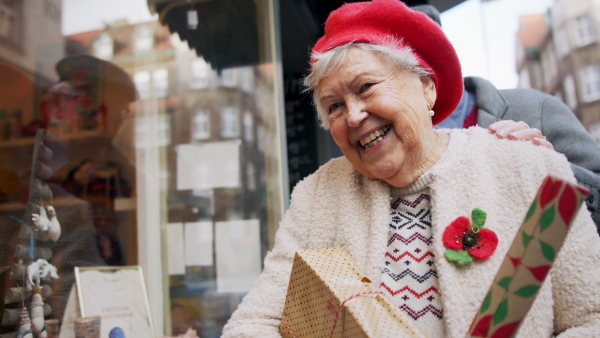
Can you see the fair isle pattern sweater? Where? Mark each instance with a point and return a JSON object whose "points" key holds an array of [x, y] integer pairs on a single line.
{"points": [[409, 276]]}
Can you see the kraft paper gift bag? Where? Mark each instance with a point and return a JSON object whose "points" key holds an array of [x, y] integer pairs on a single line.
{"points": [[329, 296], [529, 259]]}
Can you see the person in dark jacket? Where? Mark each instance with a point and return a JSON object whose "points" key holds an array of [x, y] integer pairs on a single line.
{"points": [[543, 119]]}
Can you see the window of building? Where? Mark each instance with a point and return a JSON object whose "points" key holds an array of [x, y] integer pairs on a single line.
{"points": [[250, 176], [229, 122], [570, 93], [143, 40], [594, 130], [248, 126], [201, 125], [104, 46], [590, 82], [549, 63], [160, 82], [199, 74], [229, 78], [563, 45], [247, 79], [141, 79], [585, 29], [9, 20]]}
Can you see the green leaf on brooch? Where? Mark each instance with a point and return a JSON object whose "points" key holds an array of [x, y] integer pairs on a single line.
{"points": [[526, 238], [531, 210], [478, 217], [505, 282], [501, 312], [548, 251], [527, 291], [547, 218], [460, 257], [486, 302]]}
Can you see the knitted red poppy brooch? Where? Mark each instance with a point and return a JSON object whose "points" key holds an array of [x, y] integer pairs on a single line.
{"points": [[464, 240]]}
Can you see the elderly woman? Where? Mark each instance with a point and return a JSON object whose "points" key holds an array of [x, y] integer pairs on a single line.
{"points": [[382, 76]]}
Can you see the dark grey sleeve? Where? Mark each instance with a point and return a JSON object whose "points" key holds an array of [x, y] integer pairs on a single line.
{"points": [[568, 135], [591, 181]]}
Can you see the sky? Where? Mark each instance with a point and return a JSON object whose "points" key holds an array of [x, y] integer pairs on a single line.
{"points": [[482, 33], [492, 58]]}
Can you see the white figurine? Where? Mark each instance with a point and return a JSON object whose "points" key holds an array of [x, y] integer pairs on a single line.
{"points": [[37, 311], [38, 270], [41, 220], [54, 231]]}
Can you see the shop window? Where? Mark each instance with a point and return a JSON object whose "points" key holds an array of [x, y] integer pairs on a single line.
{"points": [[590, 82], [570, 93], [201, 125], [585, 30], [143, 40], [229, 122], [152, 131], [199, 74], [104, 46]]}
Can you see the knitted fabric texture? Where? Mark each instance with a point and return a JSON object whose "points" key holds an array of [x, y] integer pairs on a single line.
{"points": [[373, 21], [409, 274]]}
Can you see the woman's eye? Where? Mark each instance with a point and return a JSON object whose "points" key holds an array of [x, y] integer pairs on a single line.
{"points": [[366, 86], [334, 106]]}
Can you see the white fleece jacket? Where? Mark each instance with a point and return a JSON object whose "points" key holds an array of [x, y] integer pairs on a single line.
{"points": [[339, 207]]}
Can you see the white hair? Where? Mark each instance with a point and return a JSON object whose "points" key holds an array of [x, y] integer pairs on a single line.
{"points": [[391, 49]]}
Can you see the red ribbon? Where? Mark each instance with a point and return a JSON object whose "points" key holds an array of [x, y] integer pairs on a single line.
{"points": [[336, 313]]}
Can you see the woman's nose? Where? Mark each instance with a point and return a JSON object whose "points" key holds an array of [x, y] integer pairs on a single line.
{"points": [[356, 115]]}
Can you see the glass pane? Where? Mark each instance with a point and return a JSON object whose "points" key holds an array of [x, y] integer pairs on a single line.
{"points": [[148, 131]]}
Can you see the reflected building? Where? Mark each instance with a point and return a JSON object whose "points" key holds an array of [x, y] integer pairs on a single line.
{"points": [[558, 52]]}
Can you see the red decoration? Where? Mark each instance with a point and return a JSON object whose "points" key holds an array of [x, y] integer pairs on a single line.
{"points": [[567, 205], [482, 327], [461, 237], [549, 191]]}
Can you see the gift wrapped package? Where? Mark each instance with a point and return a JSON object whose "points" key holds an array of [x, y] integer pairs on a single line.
{"points": [[529, 259], [329, 296]]}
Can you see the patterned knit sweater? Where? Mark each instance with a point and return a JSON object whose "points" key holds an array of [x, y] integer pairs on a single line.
{"points": [[409, 275]]}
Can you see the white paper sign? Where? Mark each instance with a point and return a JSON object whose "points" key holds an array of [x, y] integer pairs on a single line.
{"points": [[238, 255], [208, 165], [175, 249], [198, 243]]}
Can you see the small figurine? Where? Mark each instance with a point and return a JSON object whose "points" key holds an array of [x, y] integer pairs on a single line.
{"points": [[24, 325], [54, 231], [37, 311], [41, 220], [38, 270]]}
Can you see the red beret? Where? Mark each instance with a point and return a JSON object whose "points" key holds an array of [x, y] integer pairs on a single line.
{"points": [[371, 21]]}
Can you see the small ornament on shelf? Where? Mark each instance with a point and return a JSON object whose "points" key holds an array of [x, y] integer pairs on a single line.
{"points": [[38, 270], [41, 220], [37, 311], [25, 330], [55, 230]]}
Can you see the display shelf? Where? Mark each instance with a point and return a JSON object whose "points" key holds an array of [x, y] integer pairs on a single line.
{"points": [[28, 141], [57, 202]]}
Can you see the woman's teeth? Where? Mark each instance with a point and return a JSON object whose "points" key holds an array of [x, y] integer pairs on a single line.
{"points": [[374, 138]]}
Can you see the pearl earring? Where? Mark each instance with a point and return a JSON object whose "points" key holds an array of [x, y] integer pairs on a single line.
{"points": [[431, 112]]}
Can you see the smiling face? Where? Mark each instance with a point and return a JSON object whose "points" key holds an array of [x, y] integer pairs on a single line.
{"points": [[378, 116]]}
